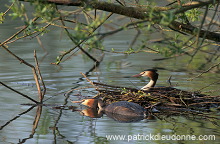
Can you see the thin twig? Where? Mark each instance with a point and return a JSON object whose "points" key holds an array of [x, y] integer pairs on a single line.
{"points": [[14, 35], [198, 35], [77, 89], [17, 116], [181, 98], [18, 92], [41, 45], [203, 103], [9, 8], [28, 64], [79, 44], [24, 36], [209, 85], [204, 72], [169, 81], [91, 82], [40, 77]]}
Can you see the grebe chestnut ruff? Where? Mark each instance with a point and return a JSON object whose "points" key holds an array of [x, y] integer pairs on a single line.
{"points": [[120, 108], [152, 74]]}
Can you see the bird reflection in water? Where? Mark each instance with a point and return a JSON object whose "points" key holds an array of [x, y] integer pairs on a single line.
{"points": [[121, 111]]}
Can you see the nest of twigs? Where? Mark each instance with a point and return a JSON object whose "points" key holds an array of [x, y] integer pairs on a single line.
{"points": [[162, 97]]}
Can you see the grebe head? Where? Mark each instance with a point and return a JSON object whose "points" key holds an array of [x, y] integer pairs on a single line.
{"points": [[92, 103], [152, 74]]}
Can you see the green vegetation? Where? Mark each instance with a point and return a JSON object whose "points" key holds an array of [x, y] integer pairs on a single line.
{"points": [[186, 28]]}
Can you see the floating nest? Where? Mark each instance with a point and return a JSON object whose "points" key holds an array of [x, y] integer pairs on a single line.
{"points": [[166, 99], [163, 98]]}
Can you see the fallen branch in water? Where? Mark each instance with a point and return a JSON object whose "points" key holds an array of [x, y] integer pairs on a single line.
{"points": [[19, 92], [16, 117], [37, 77], [91, 82]]}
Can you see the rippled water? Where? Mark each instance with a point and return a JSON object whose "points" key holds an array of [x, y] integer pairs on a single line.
{"points": [[67, 126]]}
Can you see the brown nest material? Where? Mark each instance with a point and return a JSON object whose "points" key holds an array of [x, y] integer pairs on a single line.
{"points": [[161, 97]]}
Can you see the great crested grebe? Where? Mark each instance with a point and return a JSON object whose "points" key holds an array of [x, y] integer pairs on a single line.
{"points": [[152, 74], [120, 108]]}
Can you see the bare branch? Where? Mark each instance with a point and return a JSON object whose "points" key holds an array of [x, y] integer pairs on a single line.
{"points": [[205, 71], [141, 13], [19, 92], [14, 35], [41, 96]]}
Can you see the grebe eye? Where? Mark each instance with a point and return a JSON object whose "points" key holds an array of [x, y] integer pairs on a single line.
{"points": [[82, 113]]}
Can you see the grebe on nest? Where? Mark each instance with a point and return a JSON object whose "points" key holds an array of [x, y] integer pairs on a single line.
{"points": [[120, 108], [152, 74], [150, 96]]}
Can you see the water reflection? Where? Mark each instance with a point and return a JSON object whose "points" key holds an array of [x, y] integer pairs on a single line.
{"points": [[94, 113], [35, 122], [70, 124]]}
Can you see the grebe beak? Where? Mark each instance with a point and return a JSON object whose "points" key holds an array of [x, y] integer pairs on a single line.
{"points": [[92, 103], [138, 75], [77, 101]]}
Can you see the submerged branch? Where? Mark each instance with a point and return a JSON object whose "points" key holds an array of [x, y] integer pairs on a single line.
{"points": [[91, 82], [34, 70], [16, 117], [31, 66], [19, 92]]}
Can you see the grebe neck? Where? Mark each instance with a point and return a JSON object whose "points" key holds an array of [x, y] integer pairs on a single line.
{"points": [[153, 80], [149, 85]]}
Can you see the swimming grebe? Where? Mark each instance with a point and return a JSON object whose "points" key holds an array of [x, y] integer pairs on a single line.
{"points": [[152, 74], [120, 108]]}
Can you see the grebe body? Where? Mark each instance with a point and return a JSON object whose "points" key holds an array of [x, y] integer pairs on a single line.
{"points": [[120, 108], [126, 108]]}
